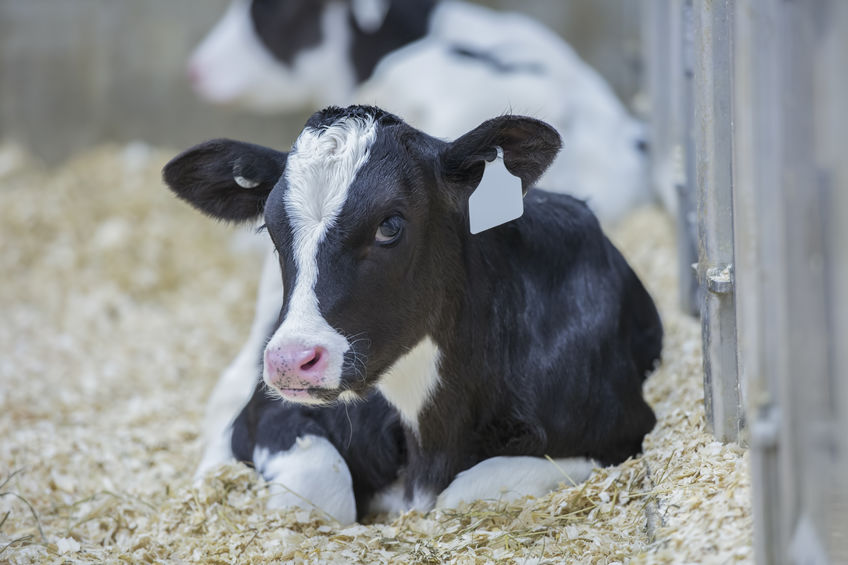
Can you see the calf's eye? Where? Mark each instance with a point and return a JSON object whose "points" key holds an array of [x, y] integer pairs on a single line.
{"points": [[389, 230]]}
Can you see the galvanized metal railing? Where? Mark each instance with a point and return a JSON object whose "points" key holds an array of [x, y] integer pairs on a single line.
{"points": [[768, 137]]}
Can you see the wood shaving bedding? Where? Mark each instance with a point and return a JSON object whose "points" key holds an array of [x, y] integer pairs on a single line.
{"points": [[120, 306]]}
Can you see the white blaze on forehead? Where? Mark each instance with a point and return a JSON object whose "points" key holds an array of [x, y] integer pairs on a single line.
{"points": [[320, 169], [319, 172]]}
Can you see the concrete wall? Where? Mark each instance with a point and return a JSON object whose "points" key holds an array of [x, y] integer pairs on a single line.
{"points": [[79, 72]]}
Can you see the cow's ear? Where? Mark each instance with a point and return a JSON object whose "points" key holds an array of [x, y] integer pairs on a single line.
{"points": [[226, 179], [529, 146]]}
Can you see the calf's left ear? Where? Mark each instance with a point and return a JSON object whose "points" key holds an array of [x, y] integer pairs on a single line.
{"points": [[226, 179], [529, 146]]}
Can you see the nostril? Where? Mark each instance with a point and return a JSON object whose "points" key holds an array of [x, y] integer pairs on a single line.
{"points": [[313, 360]]}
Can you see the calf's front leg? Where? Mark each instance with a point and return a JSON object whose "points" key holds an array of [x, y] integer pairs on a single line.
{"points": [[509, 478]]}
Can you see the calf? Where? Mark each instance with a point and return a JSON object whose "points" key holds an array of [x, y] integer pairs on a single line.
{"points": [[445, 67], [528, 340]]}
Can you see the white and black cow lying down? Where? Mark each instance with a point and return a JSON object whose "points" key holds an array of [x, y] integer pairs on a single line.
{"points": [[407, 347]]}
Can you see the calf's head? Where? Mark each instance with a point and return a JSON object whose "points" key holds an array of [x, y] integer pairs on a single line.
{"points": [[281, 55], [369, 219]]}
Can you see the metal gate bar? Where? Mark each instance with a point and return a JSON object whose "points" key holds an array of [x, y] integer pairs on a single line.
{"points": [[713, 151], [764, 136], [790, 184]]}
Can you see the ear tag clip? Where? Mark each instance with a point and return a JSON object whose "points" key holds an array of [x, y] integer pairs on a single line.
{"points": [[245, 182], [498, 198]]}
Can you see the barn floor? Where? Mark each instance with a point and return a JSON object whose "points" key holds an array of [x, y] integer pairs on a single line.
{"points": [[120, 305]]}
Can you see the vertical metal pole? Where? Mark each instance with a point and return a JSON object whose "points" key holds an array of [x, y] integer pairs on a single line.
{"points": [[804, 187], [687, 212], [757, 229], [791, 209], [834, 137], [658, 63], [668, 46], [822, 315], [713, 172]]}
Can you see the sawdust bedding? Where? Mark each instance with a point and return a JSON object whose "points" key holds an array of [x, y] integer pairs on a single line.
{"points": [[119, 307]]}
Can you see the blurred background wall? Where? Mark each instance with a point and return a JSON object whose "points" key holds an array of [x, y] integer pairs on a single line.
{"points": [[79, 72]]}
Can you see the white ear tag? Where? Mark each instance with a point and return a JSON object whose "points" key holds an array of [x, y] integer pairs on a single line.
{"points": [[498, 198]]}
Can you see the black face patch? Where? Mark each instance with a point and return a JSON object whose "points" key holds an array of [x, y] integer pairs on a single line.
{"points": [[287, 27], [280, 231], [406, 21]]}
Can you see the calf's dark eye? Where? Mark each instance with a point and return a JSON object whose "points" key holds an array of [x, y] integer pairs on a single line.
{"points": [[389, 230]]}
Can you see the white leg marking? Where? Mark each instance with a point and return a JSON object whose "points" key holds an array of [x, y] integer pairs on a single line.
{"points": [[390, 500], [511, 478], [311, 474], [393, 501], [422, 500], [238, 381], [410, 383], [319, 172]]}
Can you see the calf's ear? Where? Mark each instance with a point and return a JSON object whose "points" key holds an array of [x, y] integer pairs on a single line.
{"points": [[226, 179], [529, 146]]}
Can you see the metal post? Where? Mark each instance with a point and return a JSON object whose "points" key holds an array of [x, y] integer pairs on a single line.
{"points": [[834, 138], [791, 208], [713, 151], [757, 231], [668, 42], [687, 213]]}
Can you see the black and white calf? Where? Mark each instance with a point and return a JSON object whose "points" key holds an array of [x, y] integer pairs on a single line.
{"points": [[445, 67], [528, 340]]}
